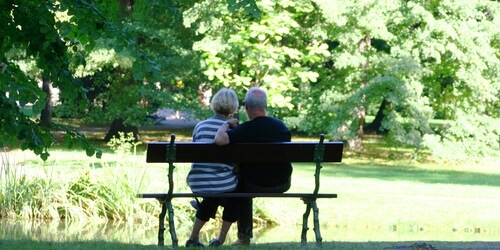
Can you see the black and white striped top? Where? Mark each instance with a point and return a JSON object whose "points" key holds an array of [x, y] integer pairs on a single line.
{"points": [[210, 177]]}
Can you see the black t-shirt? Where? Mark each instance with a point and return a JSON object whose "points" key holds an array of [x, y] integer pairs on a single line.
{"points": [[263, 129]]}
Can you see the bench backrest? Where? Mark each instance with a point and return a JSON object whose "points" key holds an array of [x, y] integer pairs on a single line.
{"points": [[157, 152]]}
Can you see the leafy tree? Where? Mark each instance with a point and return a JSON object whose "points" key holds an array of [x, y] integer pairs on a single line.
{"points": [[117, 84], [55, 39], [388, 59], [463, 80], [364, 73], [31, 30], [432, 59], [43, 34], [278, 51], [326, 64]]}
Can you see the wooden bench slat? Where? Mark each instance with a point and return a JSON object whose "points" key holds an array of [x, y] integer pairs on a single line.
{"points": [[244, 152], [232, 195]]}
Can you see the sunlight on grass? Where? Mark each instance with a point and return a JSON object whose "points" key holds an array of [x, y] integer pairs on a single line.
{"points": [[379, 200]]}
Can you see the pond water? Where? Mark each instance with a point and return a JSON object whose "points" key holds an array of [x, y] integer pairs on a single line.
{"points": [[147, 234]]}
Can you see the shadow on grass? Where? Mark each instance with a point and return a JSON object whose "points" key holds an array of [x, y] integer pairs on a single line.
{"points": [[30, 244], [405, 173]]}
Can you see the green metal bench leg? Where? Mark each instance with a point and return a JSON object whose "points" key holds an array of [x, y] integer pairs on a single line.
{"points": [[166, 205], [305, 217], [161, 228], [319, 153], [317, 232], [311, 204], [171, 224]]}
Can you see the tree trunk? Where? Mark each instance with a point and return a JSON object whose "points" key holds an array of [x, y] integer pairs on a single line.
{"points": [[118, 126], [356, 143], [376, 125], [46, 115]]}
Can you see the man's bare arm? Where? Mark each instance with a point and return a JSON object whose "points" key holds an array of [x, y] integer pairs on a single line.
{"points": [[221, 138]]}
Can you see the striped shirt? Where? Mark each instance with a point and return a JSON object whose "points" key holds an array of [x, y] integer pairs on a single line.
{"points": [[210, 177]]}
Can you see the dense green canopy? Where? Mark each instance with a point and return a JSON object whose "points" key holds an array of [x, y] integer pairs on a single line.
{"points": [[327, 65]]}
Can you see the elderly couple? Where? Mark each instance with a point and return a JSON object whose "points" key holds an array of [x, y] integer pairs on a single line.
{"points": [[223, 128]]}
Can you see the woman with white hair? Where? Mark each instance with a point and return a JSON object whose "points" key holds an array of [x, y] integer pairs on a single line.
{"points": [[214, 177]]}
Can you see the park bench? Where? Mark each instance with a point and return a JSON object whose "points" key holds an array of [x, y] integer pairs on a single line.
{"points": [[188, 152]]}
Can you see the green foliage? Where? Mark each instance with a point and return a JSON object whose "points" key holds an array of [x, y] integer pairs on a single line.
{"points": [[277, 52], [53, 39], [428, 60], [117, 79], [124, 144], [26, 132], [468, 138], [325, 64], [89, 194], [96, 199], [159, 29], [249, 5]]}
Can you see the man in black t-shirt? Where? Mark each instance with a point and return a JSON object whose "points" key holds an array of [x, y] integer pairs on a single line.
{"points": [[262, 178]]}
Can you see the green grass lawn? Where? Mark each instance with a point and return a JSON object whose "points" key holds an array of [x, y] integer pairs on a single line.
{"points": [[381, 203], [44, 245]]}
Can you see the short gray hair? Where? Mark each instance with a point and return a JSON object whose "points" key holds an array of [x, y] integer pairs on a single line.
{"points": [[224, 102], [256, 98]]}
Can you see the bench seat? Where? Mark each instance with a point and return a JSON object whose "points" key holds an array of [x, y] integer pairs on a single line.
{"points": [[187, 152], [232, 195]]}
